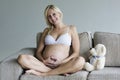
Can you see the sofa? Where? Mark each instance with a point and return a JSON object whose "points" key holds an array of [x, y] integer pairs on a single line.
{"points": [[11, 70]]}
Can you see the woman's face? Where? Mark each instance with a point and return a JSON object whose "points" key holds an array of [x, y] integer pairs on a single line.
{"points": [[53, 17]]}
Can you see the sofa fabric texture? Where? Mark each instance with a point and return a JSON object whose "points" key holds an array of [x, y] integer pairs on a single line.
{"points": [[108, 73], [11, 70]]}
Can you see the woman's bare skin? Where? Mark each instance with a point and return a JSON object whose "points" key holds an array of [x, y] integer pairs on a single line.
{"points": [[55, 58]]}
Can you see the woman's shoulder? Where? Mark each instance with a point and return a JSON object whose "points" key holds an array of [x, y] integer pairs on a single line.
{"points": [[46, 30], [72, 28]]}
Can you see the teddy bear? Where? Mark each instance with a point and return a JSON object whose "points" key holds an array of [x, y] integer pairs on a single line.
{"points": [[97, 58]]}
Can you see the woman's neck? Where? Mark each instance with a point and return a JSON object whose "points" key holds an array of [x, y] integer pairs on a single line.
{"points": [[59, 26]]}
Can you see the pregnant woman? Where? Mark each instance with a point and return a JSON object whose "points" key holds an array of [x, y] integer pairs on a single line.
{"points": [[53, 54]]}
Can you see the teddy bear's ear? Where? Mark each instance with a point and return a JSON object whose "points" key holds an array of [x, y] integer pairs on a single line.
{"points": [[104, 50], [101, 49]]}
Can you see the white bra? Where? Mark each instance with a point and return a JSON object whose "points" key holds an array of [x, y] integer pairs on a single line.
{"points": [[62, 39]]}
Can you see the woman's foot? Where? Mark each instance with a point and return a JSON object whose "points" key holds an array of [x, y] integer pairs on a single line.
{"points": [[34, 72]]}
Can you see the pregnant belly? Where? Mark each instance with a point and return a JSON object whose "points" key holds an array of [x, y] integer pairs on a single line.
{"points": [[54, 54]]}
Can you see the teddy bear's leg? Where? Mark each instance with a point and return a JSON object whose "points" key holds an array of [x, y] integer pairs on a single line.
{"points": [[100, 63], [89, 67]]}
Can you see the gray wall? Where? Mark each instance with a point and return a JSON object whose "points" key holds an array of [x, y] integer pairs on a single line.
{"points": [[20, 20]]}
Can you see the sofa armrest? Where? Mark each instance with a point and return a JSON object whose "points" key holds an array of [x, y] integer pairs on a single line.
{"points": [[10, 69]]}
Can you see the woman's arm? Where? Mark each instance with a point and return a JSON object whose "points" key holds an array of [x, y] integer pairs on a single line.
{"points": [[75, 44], [41, 45]]}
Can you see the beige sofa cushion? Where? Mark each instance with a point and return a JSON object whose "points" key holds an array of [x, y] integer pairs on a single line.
{"points": [[108, 73], [112, 43], [85, 43]]}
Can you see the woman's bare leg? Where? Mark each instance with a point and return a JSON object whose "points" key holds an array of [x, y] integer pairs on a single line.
{"points": [[72, 66], [32, 63]]}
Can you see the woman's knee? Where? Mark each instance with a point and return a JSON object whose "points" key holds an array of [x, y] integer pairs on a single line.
{"points": [[79, 63], [24, 59], [82, 59]]}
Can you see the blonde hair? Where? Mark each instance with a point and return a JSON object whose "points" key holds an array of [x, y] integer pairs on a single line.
{"points": [[46, 13]]}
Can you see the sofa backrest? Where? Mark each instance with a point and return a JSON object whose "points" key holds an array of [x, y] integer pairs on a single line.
{"points": [[112, 43], [85, 43]]}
